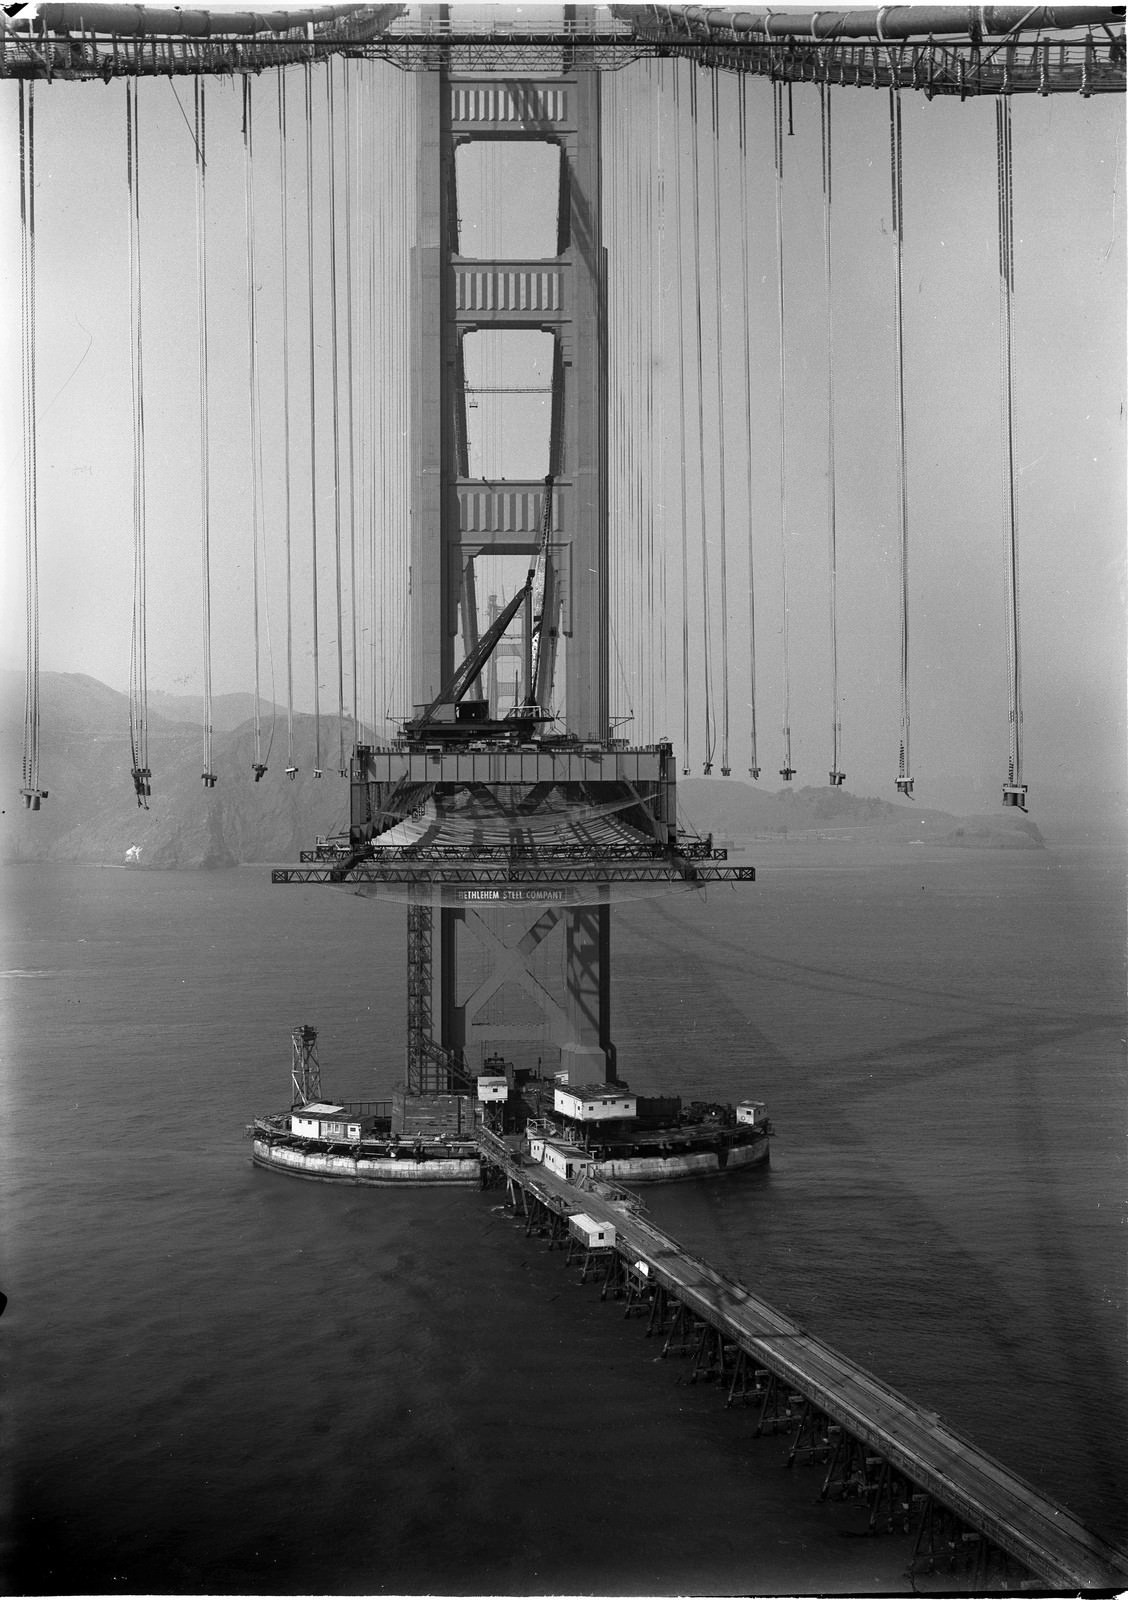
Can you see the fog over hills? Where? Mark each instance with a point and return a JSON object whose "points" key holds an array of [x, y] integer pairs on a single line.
{"points": [[91, 814]]}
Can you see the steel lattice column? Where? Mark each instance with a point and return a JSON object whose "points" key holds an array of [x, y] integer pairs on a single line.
{"points": [[419, 924]]}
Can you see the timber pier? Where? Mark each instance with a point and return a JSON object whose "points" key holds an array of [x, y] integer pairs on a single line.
{"points": [[970, 1514]]}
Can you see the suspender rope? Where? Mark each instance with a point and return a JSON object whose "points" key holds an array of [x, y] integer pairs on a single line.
{"points": [[351, 427], [787, 771], [259, 767], [334, 346], [138, 655], [291, 768], [710, 738], [208, 776], [725, 767], [312, 414], [617, 595], [904, 778], [648, 322], [1014, 790], [32, 794], [361, 427], [837, 776], [656, 429], [742, 126], [640, 295], [681, 422]]}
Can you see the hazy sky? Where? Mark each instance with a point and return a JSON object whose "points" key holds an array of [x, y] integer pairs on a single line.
{"points": [[1070, 342]]}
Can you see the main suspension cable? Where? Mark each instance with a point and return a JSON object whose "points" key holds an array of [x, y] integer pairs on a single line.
{"points": [[208, 777], [904, 775], [32, 794], [138, 652], [787, 771], [837, 776], [1014, 790]]}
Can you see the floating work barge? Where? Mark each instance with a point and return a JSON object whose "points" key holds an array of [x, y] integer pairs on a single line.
{"points": [[598, 1132], [968, 1511]]}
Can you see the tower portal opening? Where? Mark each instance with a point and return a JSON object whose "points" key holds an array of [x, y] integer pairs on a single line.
{"points": [[508, 402], [508, 199]]}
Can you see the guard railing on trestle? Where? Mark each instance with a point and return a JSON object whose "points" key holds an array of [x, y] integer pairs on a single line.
{"points": [[852, 1468]]}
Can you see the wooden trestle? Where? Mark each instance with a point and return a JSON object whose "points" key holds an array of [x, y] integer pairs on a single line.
{"points": [[970, 1514]]}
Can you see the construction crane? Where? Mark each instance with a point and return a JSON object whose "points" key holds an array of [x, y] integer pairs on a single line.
{"points": [[453, 716]]}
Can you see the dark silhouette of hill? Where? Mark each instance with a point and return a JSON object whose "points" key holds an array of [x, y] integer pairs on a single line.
{"points": [[92, 815], [734, 810], [229, 711]]}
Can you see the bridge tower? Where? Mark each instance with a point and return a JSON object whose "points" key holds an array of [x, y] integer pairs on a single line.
{"points": [[459, 519], [511, 833]]}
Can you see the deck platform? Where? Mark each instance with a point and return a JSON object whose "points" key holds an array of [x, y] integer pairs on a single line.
{"points": [[1044, 1537]]}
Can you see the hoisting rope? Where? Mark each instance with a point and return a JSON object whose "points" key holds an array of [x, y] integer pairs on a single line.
{"points": [[718, 297], [904, 778], [138, 653], [291, 768], [710, 731], [837, 776], [208, 777], [312, 413], [787, 771], [1014, 790], [259, 766], [32, 794], [678, 233], [742, 128], [334, 348]]}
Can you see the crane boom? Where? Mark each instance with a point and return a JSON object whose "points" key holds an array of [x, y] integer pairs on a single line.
{"points": [[537, 585]]}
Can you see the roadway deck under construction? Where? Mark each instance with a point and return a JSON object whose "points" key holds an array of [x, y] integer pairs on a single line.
{"points": [[751, 1341]]}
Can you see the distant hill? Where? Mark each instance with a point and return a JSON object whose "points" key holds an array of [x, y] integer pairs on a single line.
{"points": [[229, 711], [736, 810], [91, 814]]}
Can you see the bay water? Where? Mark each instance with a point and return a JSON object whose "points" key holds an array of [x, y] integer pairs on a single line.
{"points": [[221, 1380]]}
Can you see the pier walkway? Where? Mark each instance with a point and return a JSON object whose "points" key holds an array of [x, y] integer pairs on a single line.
{"points": [[985, 1496]]}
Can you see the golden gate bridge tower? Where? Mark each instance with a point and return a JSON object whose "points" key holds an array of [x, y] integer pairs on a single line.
{"points": [[513, 833], [518, 829], [512, 829]]}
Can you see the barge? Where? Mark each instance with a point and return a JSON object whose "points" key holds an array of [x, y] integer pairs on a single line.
{"points": [[583, 1133]]}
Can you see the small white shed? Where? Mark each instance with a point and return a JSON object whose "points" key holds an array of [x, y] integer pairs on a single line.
{"points": [[596, 1235]]}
